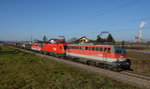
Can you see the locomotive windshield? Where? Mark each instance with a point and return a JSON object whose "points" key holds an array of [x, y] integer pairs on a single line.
{"points": [[65, 47], [120, 49]]}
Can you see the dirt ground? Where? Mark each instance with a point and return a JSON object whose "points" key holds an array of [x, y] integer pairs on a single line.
{"points": [[140, 62]]}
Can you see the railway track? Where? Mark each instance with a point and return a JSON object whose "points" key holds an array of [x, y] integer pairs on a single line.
{"points": [[138, 75], [129, 77]]}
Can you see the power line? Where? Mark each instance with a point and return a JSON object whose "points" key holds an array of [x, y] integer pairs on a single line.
{"points": [[129, 29], [117, 30], [103, 13], [130, 21]]}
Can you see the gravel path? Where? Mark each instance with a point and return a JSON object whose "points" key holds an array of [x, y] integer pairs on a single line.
{"points": [[143, 83]]}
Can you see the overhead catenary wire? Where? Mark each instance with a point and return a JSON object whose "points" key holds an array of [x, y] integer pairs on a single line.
{"points": [[100, 14], [110, 30], [123, 22]]}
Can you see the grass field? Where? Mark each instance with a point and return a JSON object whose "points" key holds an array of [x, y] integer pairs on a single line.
{"points": [[20, 70], [140, 62]]}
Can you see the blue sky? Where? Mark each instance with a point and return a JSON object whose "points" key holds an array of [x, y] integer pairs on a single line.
{"points": [[19, 19]]}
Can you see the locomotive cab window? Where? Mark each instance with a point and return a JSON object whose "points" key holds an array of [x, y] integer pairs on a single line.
{"points": [[105, 50], [109, 50], [120, 50], [65, 47], [41, 45]]}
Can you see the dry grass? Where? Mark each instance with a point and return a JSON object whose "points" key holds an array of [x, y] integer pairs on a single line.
{"points": [[20, 70], [140, 62]]}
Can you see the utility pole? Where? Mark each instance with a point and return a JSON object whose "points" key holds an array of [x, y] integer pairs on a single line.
{"points": [[93, 35], [31, 39]]}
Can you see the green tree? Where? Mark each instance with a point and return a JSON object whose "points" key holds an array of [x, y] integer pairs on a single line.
{"points": [[122, 42], [110, 39], [116, 42], [99, 39], [44, 38]]}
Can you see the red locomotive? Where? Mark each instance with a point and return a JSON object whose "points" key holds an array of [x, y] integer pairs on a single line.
{"points": [[55, 49], [106, 56], [111, 56]]}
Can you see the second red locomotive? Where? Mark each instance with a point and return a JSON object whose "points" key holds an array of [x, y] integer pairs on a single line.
{"points": [[55, 49]]}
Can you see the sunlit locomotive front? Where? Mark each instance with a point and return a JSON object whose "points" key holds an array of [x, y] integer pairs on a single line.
{"points": [[107, 56]]}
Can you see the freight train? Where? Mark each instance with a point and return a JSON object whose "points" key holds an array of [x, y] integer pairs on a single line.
{"points": [[106, 56]]}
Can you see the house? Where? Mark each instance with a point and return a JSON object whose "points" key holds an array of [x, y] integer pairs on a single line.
{"points": [[54, 41], [83, 40]]}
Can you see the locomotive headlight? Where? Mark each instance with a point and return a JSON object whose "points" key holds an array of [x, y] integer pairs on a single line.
{"points": [[125, 59], [122, 59]]}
